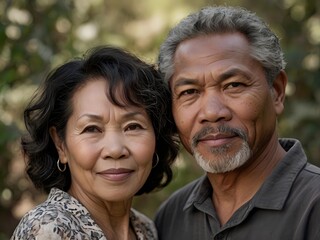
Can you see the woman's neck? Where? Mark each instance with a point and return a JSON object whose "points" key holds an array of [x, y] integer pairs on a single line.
{"points": [[112, 217]]}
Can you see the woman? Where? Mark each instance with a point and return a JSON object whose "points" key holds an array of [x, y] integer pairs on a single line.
{"points": [[100, 132]]}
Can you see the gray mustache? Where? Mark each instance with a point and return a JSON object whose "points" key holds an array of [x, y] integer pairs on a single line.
{"points": [[220, 129]]}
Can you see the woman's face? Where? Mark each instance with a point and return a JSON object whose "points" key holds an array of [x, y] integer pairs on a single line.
{"points": [[109, 149]]}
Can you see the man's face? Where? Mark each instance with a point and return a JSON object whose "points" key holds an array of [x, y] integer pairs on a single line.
{"points": [[224, 108]]}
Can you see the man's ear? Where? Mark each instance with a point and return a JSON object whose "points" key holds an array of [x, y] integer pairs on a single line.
{"points": [[59, 145], [279, 91]]}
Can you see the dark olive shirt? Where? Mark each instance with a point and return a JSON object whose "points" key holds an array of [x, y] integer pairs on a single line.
{"points": [[286, 207]]}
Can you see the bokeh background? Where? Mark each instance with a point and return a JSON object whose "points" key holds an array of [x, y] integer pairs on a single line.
{"points": [[38, 35]]}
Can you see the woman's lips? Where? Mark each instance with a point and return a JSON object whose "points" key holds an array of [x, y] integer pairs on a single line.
{"points": [[116, 174]]}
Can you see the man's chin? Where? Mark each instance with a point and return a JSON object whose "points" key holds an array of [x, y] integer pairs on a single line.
{"points": [[221, 161]]}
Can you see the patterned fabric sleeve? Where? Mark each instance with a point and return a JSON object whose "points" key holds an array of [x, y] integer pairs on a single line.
{"points": [[49, 224], [143, 226], [38, 226], [59, 217], [63, 217]]}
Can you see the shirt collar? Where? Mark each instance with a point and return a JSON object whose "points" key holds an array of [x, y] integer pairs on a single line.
{"points": [[201, 191]]}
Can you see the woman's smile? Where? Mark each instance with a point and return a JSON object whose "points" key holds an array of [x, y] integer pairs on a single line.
{"points": [[116, 174]]}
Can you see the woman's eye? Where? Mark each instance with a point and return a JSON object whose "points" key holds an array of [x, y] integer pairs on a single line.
{"points": [[91, 129], [134, 126]]}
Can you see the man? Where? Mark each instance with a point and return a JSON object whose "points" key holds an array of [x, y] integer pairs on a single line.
{"points": [[226, 72]]}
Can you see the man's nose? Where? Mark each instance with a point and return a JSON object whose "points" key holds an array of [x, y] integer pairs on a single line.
{"points": [[214, 108]]}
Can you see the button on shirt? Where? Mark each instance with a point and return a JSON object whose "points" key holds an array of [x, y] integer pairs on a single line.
{"points": [[286, 207]]}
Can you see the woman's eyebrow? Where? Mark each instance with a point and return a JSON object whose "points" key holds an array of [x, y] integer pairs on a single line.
{"points": [[132, 114], [90, 116]]}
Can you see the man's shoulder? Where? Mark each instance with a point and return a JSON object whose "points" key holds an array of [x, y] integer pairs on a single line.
{"points": [[312, 169], [306, 186], [185, 191], [181, 196], [309, 178], [173, 216]]}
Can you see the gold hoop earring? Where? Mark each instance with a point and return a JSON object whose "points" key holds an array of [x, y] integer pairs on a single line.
{"points": [[157, 161], [64, 166]]}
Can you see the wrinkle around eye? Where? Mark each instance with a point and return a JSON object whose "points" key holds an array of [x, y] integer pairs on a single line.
{"points": [[188, 93], [91, 129], [235, 86], [134, 127]]}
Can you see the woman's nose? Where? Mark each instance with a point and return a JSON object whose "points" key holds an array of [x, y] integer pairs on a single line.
{"points": [[114, 146]]}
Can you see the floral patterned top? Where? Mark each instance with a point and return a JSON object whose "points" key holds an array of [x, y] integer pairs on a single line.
{"points": [[63, 217]]}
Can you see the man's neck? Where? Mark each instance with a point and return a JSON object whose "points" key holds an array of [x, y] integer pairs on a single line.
{"points": [[233, 189]]}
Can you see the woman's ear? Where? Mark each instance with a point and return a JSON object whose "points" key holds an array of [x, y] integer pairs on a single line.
{"points": [[279, 91], [59, 145]]}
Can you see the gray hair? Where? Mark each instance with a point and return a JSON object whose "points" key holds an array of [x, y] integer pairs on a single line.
{"points": [[264, 44]]}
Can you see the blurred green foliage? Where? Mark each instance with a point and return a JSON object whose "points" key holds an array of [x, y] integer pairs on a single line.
{"points": [[38, 35]]}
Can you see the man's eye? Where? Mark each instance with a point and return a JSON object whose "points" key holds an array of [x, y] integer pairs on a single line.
{"points": [[234, 85], [133, 126], [188, 92]]}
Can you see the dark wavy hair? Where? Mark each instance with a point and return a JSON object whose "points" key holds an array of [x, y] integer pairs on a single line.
{"points": [[140, 85]]}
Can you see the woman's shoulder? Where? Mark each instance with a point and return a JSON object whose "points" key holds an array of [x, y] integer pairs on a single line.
{"points": [[58, 217], [144, 227], [45, 219]]}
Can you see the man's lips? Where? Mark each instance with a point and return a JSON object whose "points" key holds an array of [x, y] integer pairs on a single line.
{"points": [[218, 136], [116, 174], [216, 140]]}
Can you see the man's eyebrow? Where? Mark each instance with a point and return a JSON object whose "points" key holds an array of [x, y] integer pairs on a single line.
{"points": [[184, 81], [233, 72], [224, 76]]}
